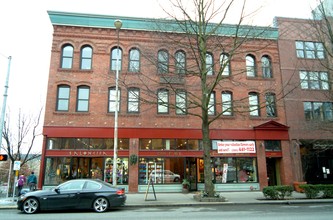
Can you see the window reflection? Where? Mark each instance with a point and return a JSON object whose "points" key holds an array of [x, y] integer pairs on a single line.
{"points": [[86, 143], [235, 170], [169, 144], [61, 169], [161, 170]]}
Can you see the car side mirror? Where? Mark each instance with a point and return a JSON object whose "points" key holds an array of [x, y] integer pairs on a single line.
{"points": [[57, 190]]}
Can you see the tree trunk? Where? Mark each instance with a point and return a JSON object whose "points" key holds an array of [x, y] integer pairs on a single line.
{"points": [[209, 186]]}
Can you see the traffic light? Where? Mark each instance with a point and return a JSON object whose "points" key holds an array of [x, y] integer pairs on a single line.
{"points": [[3, 157]]}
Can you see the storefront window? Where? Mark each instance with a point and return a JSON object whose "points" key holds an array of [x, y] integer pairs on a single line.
{"points": [[86, 143], [235, 170], [169, 144], [272, 145], [122, 170], [161, 170], [61, 169]]}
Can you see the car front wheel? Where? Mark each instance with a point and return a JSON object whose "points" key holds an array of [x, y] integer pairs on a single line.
{"points": [[100, 204], [30, 206]]}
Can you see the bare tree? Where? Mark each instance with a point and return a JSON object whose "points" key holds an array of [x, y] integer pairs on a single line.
{"points": [[20, 138], [198, 26]]}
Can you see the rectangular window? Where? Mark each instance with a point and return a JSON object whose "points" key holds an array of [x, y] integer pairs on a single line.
{"points": [[63, 98], [226, 103], [163, 102], [112, 100], [254, 104], [211, 105], [83, 99], [314, 80], [181, 102], [310, 50], [133, 100], [270, 105], [318, 111]]}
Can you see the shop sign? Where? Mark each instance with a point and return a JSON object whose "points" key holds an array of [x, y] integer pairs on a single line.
{"points": [[232, 147], [88, 153]]}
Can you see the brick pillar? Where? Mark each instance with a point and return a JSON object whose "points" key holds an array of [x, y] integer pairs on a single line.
{"points": [[262, 169], [286, 169], [133, 169]]}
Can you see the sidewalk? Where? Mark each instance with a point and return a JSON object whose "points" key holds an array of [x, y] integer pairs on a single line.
{"points": [[180, 199], [233, 198]]}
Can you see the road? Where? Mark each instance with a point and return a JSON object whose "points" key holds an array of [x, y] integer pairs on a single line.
{"points": [[321, 211]]}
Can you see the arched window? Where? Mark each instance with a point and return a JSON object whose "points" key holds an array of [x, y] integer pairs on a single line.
{"points": [[181, 99], [67, 56], [133, 100], [250, 66], [225, 64], [227, 103], [63, 95], [82, 103], [254, 104], [116, 54], [163, 61], [113, 99], [163, 101], [270, 105], [209, 64], [134, 60], [86, 57], [266, 65], [180, 62]]}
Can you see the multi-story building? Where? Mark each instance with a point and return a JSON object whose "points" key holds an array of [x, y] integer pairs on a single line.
{"points": [[156, 140], [306, 75]]}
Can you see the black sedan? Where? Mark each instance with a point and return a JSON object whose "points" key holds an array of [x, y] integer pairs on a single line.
{"points": [[74, 194]]}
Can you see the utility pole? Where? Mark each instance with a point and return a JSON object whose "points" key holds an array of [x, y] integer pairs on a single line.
{"points": [[2, 119]]}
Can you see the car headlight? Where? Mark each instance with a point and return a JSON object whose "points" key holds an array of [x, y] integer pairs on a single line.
{"points": [[22, 197]]}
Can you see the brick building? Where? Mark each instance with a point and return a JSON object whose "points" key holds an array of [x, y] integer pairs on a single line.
{"points": [[306, 75], [157, 140]]}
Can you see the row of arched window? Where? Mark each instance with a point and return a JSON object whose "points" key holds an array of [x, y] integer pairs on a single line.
{"points": [[163, 101], [163, 61]]}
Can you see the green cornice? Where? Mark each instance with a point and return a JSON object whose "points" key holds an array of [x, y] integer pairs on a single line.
{"points": [[149, 24]]}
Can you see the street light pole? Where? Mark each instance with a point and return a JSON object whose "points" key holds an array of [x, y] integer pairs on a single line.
{"points": [[117, 24]]}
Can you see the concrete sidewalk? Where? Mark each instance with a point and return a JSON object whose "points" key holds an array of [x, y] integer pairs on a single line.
{"points": [[180, 199]]}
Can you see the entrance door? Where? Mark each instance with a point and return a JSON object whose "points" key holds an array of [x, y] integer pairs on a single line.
{"points": [[191, 172], [271, 171]]}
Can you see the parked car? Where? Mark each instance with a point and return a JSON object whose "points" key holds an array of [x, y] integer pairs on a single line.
{"points": [[165, 176], [74, 194]]}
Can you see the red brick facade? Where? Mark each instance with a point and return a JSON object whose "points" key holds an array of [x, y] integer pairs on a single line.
{"points": [[98, 123]]}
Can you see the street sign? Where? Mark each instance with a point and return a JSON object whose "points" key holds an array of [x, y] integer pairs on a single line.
{"points": [[3, 157], [17, 165]]}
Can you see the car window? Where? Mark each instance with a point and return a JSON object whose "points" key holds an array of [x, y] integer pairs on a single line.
{"points": [[76, 185], [92, 186]]}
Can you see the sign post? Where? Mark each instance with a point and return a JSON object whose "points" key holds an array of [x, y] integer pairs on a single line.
{"points": [[17, 167]]}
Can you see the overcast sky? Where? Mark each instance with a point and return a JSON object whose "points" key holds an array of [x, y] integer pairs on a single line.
{"points": [[26, 36]]}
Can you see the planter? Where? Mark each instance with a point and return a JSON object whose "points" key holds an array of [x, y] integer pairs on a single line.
{"points": [[297, 188], [185, 190]]}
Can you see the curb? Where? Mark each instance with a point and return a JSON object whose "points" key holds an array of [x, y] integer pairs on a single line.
{"points": [[256, 202]]}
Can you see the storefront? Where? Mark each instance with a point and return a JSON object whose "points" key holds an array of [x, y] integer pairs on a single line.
{"points": [[167, 161]]}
